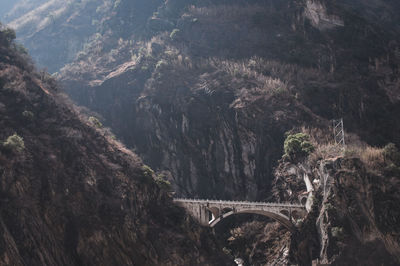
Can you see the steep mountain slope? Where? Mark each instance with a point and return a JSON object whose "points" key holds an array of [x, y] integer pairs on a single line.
{"points": [[70, 195], [5, 7], [12, 9], [54, 31], [204, 91]]}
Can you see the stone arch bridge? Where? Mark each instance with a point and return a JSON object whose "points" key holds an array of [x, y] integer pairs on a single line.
{"points": [[210, 212]]}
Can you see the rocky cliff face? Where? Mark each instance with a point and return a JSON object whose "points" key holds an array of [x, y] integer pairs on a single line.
{"points": [[353, 218], [70, 195], [208, 105]]}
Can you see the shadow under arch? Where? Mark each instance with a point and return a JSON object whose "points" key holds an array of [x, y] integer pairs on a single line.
{"points": [[213, 212], [282, 219], [303, 200]]}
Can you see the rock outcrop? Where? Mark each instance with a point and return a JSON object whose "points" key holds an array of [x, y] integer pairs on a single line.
{"points": [[353, 219]]}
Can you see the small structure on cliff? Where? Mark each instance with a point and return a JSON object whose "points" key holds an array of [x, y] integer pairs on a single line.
{"points": [[338, 131]]}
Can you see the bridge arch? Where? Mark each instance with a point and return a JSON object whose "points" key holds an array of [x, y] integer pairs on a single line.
{"points": [[211, 212], [282, 219]]}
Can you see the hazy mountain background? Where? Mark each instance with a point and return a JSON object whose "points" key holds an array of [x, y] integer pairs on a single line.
{"points": [[5, 7], [11, 10]]}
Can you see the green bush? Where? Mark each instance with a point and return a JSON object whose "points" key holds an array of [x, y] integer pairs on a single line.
{"points": [[161, 65], [337, 232], [175, 34], [14, 143], [28, 115], [160, 180], [162, 183], [95, 122], [147, 171], [298, 146]]}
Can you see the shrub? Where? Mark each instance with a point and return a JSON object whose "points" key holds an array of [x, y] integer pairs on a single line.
{"points": [[175, 34], [162, 183], [329, 206], [392, 170], [28, 115], [95, 122], [162, 64], [279, 91], [81, 55], [147, 171], [7, 35], [160, 180], [372, 157], [21, 49], [298, 146], [337, 232], [299, 222], [391, 153], [117, 3], [14, 143], [227, 251]]}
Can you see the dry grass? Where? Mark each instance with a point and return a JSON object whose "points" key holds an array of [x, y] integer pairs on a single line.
{"points": [[325, 151], [318, 136], [372, 156], [227, 13], [325, 148]]}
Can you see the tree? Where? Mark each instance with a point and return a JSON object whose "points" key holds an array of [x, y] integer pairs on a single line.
{"points": [[7, 35], [14, 143], [95, 122], [297, 146], [175, 35]]}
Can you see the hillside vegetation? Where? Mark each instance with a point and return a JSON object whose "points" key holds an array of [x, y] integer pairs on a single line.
{"points": [[71, 195]]}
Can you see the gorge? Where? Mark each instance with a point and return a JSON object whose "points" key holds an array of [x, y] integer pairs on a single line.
{"points": [[132, 103]]}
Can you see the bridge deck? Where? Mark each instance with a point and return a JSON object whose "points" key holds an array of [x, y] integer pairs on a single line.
{"points": [[228, 202]]}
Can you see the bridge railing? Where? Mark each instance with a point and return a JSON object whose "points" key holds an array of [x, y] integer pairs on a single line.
{"points": [[272, 204]]}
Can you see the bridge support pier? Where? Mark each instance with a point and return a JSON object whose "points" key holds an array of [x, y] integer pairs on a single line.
{"points": [[204, 216], [199, 212]]}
